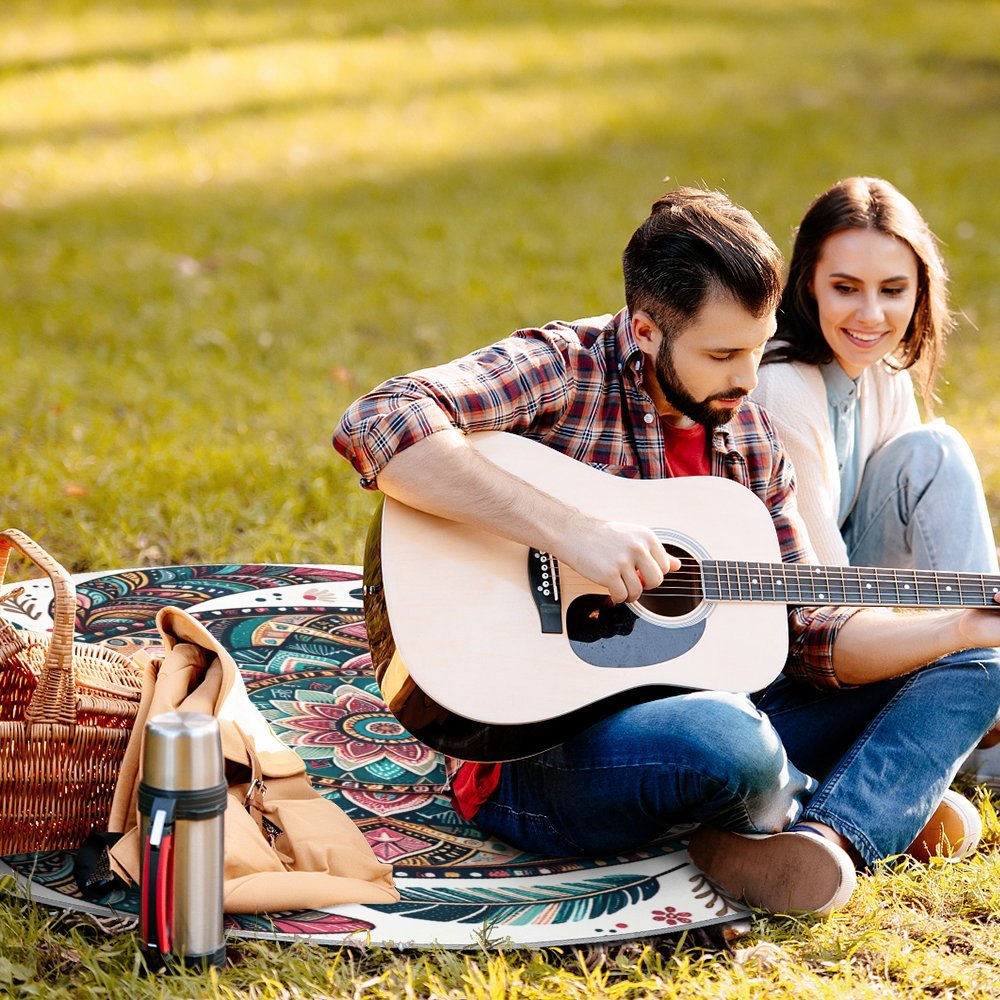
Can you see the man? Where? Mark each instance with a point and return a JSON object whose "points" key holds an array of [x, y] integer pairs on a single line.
{"points": [[853, 748]]}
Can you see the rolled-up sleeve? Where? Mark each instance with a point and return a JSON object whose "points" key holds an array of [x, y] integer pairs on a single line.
{"points": [[382, 423], [812, 632], [515, 384]]}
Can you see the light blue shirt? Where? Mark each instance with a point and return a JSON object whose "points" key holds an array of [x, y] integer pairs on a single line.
{"points": [[842, 402]]}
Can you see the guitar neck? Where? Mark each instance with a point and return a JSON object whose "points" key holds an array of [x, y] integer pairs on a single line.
{"points": [[801, 583]]}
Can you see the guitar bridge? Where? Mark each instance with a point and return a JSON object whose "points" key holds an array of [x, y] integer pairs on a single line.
{"points": [[543, 578]]}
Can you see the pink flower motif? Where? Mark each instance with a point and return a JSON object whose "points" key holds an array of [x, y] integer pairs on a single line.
{"points": [[332, 923], [671, 917], [384, 803], [358, 730], [390, 845], [323, 594]]}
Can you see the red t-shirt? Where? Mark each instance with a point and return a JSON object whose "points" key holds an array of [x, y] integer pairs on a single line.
{"points": [[686, 455], [686, 450]]}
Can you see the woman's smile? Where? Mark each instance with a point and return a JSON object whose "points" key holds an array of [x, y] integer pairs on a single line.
{"points": [[865, 285]]}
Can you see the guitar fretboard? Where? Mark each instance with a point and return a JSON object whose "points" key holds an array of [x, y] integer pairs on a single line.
{"points": [[800, 583]]}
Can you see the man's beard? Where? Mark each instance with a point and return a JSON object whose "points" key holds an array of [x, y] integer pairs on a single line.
{"points": [[680, 399]]}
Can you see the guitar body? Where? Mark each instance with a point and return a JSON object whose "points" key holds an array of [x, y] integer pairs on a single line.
{"points": [[472, 663]]}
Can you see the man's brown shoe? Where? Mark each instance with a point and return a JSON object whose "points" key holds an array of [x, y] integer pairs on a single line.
{"points": [[788, 872], [953, 831]]}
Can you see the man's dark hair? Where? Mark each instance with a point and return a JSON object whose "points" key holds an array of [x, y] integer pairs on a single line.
{"points": [[694, 244]]}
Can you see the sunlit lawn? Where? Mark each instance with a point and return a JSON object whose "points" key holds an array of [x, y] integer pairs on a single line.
{"points": [[222, 221]]}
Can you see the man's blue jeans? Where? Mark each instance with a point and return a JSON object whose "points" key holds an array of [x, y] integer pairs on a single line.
{"points": [[694, 756], [872, 762], [886, 752]]}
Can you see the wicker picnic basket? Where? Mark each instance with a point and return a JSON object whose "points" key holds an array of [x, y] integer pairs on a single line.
{"points": [[66, 712]]}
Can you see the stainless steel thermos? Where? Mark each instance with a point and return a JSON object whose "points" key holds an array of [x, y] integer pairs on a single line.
{"points": [[182, 800]]}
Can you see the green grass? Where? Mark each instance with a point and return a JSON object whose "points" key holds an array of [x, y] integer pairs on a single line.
{"points": [[221, 221], [910, 932]]}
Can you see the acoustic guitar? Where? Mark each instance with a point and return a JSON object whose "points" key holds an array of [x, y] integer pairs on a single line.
{"points": [[486, 650]]}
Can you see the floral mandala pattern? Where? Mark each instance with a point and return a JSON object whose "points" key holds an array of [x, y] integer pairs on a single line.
{"points": [[354, 729], [298, 636]]}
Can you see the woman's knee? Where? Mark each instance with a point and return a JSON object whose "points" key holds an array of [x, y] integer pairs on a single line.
{"points": [[923, 454]]}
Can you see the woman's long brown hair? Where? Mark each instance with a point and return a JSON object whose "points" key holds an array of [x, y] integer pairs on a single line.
{"points": [[866, 203]]}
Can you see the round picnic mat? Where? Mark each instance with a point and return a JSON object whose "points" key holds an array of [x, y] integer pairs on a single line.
{"points": [[298, 636]]}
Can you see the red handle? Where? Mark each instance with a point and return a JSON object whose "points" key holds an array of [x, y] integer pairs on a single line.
{"points": [[156, 894]]}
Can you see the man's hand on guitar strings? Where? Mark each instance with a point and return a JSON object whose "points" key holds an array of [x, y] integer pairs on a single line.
{"points": [[624, 558]]}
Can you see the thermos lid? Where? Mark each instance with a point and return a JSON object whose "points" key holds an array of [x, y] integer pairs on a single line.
{"points": [[182, 752]]}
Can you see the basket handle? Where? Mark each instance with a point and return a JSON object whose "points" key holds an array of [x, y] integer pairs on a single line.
{"points": [[54, 700]]}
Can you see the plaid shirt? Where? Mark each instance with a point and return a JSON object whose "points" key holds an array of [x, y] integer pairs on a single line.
{"points": [[577, 387]]}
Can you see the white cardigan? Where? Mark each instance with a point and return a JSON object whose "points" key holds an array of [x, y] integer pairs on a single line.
{"points": [[794, 395]]}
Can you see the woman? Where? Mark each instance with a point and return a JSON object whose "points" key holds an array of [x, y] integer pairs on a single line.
{"points": [[865, 304]]}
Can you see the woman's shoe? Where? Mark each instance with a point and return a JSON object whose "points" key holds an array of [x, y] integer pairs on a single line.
{"points": [[953, 831]]}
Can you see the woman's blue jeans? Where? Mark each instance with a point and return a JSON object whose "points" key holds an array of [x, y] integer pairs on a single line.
{"points": [[920, 505], [872, 762]]}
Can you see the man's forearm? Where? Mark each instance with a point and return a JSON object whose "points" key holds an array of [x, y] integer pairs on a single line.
{"points": [[444, 475], [879, 643]]}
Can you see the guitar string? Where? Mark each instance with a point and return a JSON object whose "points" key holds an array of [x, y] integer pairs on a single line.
{"points": [[806, 582], [688, 581], [809, 571], [792, 598]]}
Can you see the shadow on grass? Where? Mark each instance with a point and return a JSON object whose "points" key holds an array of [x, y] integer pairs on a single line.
{"points": [[178, 355], [249, 23]]}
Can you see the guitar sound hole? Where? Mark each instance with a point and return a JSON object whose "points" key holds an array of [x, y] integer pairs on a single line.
{"points": [[680, 593]]}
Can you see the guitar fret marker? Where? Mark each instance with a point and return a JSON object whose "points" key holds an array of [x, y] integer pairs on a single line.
{"points": [[752, 581], [727, 580]]}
